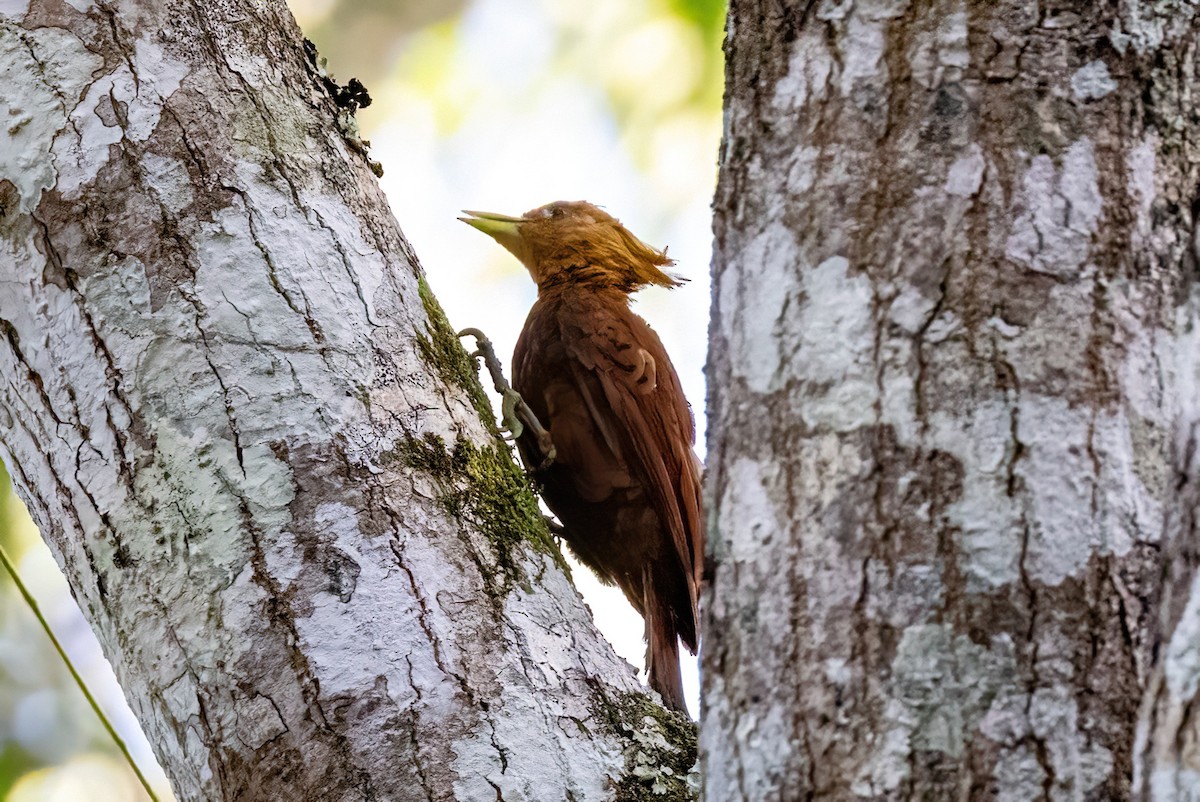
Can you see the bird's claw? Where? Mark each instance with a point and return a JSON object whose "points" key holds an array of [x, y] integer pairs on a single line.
{"points": [[515, 414], [510, 421], [549, 452]]}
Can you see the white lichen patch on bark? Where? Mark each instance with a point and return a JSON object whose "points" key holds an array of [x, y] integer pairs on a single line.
{"points": [[807, 75], [34, 112], [1074, 512], [966, 174], [1057, 214], [1049, 715], [862, 52], [1092, 81], [767, 291], [756, 519], [987, 519], [14, 8], [831, 347]]}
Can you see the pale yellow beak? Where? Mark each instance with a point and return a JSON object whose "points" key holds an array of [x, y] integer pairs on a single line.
{"points": [[503, 228]]}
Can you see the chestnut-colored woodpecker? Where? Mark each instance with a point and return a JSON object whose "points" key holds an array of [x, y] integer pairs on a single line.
{"points": [[608, 433]]}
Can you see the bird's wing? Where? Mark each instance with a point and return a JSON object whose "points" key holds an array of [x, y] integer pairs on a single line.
{"points": [[644, 415], [568, 405], [584, 439]]}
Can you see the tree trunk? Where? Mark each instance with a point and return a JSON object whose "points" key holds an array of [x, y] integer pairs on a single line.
{"points": [[954, 398], [255, 446]]}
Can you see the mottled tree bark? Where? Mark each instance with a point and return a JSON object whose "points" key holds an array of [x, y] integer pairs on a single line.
{"points": [[954, 398], [255, 446]]}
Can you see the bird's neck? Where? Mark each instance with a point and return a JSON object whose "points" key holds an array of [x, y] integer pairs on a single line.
{"points": [[581, 277]]}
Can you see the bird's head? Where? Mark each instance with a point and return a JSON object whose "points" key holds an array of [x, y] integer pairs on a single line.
{"points": [[574, 241]]}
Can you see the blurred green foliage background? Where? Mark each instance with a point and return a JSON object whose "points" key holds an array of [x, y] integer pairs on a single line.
{"points": [[499, 105]]}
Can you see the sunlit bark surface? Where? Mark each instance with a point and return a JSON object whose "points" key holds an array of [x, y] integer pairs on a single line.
{"points": [[953, 387], [254, 445]]}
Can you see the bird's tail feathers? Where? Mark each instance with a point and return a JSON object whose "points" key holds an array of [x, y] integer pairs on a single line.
{"points": [[662, 650]]}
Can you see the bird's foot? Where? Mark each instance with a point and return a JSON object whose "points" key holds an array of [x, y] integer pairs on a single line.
{"points": [[511, 426], [515, 414]]}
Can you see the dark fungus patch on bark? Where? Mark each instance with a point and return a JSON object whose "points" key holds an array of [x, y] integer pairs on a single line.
{"points": [[660, 751], [348, 99], [10, 207]]}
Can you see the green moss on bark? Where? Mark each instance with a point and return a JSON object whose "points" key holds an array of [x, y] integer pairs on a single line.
{"points": [[660, 756], [442, 350], [484, 487]]}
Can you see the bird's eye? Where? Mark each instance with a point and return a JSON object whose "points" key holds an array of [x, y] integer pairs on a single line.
{"points": [[556, 211]]}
